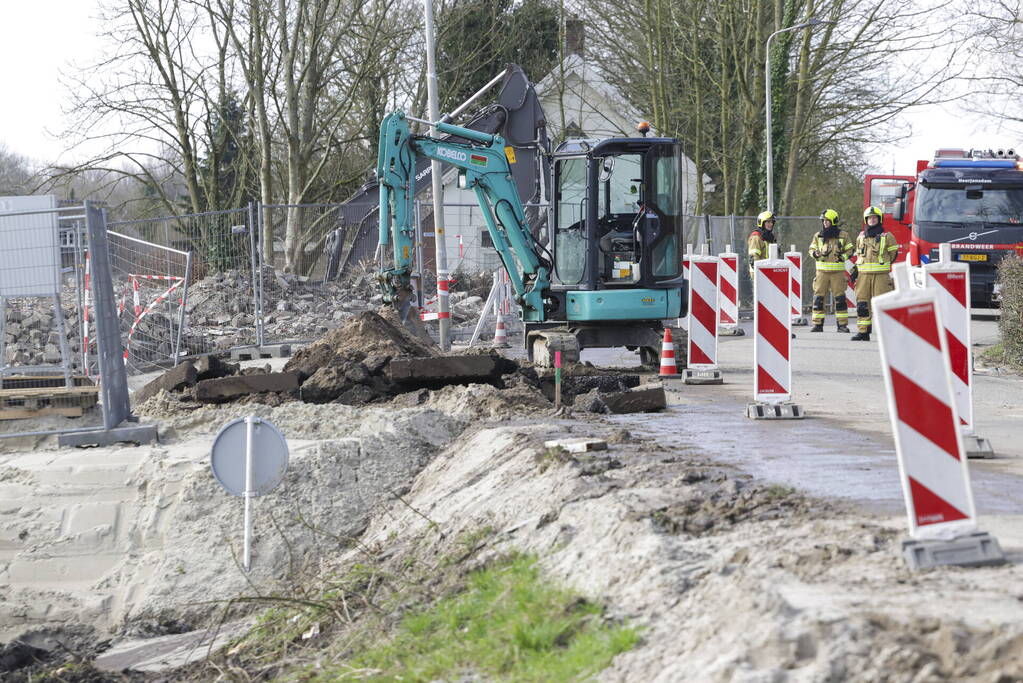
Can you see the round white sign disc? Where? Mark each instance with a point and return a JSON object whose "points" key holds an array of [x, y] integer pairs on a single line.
{"points": [[269, 456]]}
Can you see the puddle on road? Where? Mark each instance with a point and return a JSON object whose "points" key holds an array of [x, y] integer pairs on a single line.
{"points": [[812, 454]]}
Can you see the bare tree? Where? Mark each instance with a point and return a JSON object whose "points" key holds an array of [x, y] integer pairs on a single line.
{"points": [[16, 177], [147, 103], [697, 67]]}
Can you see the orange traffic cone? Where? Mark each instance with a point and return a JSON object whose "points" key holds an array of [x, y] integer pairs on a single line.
{"points": [[668, 367], [500, 334]]}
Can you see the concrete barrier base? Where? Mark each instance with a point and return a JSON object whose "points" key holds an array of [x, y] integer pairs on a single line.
{"points": [[974, 550], [775, 411], [977, 446], [702, 376]]}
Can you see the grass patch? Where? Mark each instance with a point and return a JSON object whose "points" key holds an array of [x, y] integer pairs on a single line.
{"points": [[507, 623], [997, 356]]}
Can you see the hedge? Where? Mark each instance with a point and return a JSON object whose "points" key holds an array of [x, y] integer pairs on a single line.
{"points": [[1010, 277]]}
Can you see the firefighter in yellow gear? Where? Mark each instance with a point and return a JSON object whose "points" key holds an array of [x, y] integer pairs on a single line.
{"points": [[759, 239], [876, 251], [830, 248]]}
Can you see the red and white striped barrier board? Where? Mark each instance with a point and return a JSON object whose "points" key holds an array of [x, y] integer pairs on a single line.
{"points": [[915, 365], [850, 292], [951, 284], [703, 312], [796, 293], [728, 287], [772, 323]]}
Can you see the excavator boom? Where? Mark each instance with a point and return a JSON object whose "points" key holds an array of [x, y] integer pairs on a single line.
{"points": [[483, 168]]}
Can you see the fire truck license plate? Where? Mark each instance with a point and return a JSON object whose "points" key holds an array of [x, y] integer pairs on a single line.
{"points": [[973, 257]]}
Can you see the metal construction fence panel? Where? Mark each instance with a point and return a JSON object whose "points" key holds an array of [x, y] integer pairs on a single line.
{"points": [[222, 306], [304, 245], [720, 231], [151, 284], [47, 338]]}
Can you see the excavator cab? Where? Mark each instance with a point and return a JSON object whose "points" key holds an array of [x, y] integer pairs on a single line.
{"points": [[617, 223]]}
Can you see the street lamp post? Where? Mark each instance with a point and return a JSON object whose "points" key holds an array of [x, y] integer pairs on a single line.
{"points": [[767, 78]]}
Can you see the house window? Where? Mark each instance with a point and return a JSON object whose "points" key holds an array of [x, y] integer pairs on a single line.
{"points": [[486, 241]]}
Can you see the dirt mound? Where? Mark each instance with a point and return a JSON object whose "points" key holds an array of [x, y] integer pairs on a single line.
{"points": [[367, 334], [479, 401]]}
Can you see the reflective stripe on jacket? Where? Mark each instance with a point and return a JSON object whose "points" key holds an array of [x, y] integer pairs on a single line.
{"points": [[757, 246], [876, 254], [834, 251]]}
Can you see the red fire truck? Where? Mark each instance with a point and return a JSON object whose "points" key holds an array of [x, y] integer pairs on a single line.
{"points": [[972, 199]]}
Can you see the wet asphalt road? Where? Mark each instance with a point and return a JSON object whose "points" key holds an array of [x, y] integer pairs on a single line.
{"points": [[844, 448]]}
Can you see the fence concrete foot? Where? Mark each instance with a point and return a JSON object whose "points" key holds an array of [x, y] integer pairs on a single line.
{"points": [[259, 352], [124, 433]]}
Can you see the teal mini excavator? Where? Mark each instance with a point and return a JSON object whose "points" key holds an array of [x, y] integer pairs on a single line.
{"points": [[610, 273]]}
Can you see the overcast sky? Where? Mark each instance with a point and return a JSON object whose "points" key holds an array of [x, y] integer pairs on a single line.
{"points": [[41, 38], [37, 40]]}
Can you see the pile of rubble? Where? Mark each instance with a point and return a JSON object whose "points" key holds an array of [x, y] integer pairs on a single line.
{"points": [[31, 336], [370, 359], [374, 359], [221, 308]]}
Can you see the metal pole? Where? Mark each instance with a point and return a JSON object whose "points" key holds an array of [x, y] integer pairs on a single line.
{"points": [[483, 312], [257, 271], [247, 560], [465, 105], [262, 260], [184, 303], [439, 238], [767, 131]]}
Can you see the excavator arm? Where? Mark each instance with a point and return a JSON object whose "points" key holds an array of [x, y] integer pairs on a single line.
{"points": [[483, 168]]}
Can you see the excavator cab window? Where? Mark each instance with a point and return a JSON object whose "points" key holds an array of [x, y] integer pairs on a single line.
{"points": [[570, 225], [618, 214], [665, 238]]}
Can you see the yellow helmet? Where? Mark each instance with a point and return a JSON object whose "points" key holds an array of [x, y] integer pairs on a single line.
{"points": [[872, 211], [764, 217], [831, 215]]}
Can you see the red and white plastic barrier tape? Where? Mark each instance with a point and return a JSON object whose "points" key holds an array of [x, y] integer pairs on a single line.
{"points": [[796, 292], [728, 287], [703, 312], [159, 278], [158, 300], [135, 297], [950, 282], [772, 324], [915, 365], [443, 285]]}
